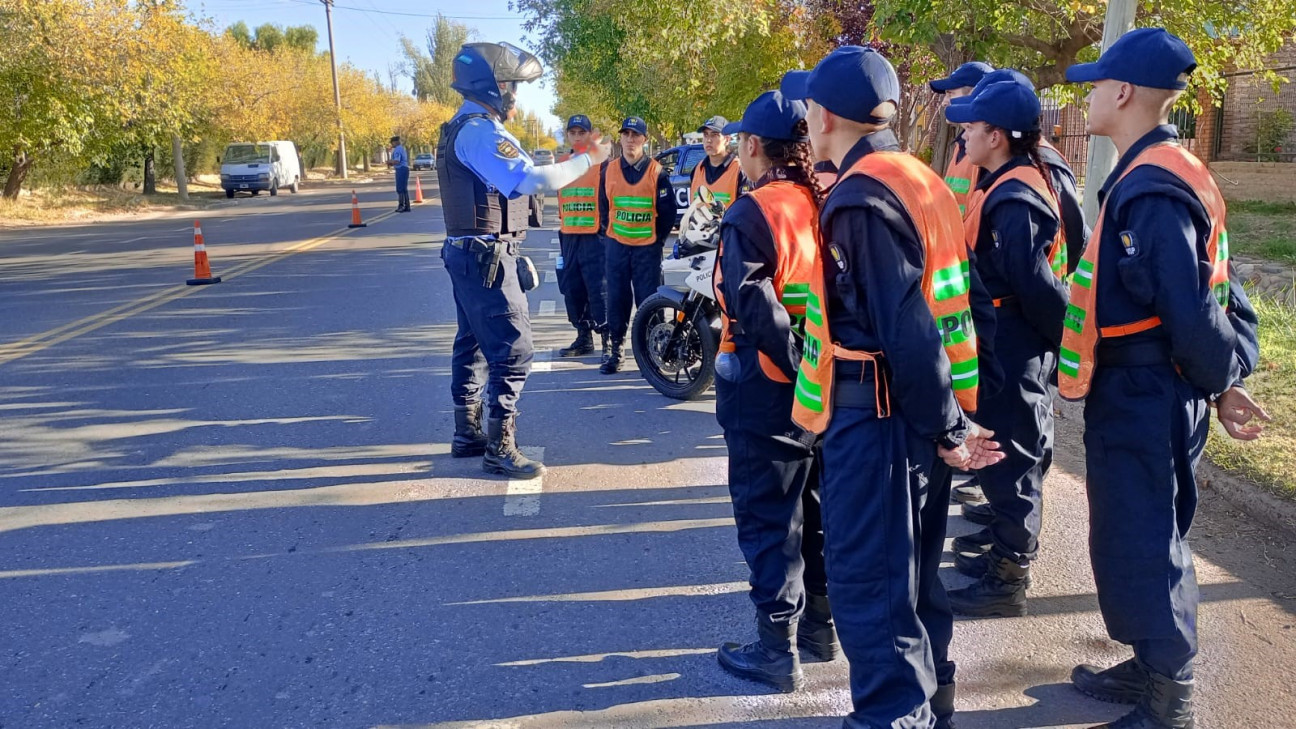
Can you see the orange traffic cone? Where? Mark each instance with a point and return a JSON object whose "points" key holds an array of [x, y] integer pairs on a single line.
{"points": [[418, 189], [355, 212], [202, 269]]}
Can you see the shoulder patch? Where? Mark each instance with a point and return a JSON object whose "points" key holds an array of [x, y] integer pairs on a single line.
{"points": [[1129, 242], [994, 234], [507, 149]]}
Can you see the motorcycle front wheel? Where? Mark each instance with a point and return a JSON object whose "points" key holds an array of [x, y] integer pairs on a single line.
{"points": [[675, 353]]}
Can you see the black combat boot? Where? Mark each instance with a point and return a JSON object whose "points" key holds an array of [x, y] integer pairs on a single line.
{"points": [[1001, 592], [614, 359], [1167, 704], [607, 346], [769, 659], [981, 514], [978, 542], [469, 440], [976, 564], [583, 345], [816, 632], [502, 454], [942, 705], [1123, 683]]}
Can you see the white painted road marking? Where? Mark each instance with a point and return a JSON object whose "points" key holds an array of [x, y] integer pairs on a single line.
{"points": [[543, 361], [523, 496], [551, 277], [547, 308]]}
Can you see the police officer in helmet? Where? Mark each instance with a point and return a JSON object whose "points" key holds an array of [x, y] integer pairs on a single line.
{"points": [[486, 182]]}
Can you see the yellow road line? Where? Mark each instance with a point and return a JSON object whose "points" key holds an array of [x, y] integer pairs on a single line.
{"points": [[71, 330]]}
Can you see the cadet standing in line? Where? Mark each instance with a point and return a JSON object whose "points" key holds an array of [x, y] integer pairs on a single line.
{"points": [[720, 171], [582, 274], [485, 180], [1013, 225], [1155, 333], [876, 379], [399, 161], [769, 240], [637, 209], [960, 172]]}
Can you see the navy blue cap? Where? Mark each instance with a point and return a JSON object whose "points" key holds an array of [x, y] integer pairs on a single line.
{"points": [[579, 121], [969, 74], [994, 77], [716, 123], [1007, 105], [1150, 57], [850, 82], [772, 116], [635, 124]]}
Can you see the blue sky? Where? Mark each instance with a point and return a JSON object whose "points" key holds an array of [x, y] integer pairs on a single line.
{"points": [[366, 32]]}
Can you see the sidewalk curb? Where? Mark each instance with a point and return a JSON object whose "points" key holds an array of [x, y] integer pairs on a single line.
{"points": [[1254, 500]]}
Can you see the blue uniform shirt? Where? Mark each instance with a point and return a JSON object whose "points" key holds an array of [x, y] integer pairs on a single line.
{"points": [[487, 148], [400, 156]]}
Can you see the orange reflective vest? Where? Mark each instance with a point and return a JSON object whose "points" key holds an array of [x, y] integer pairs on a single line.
{"points": [[793, 218], [945, 283], [578, 204], [632, 209], [961, 176], [725, 189], [1031, 177], [1080, 331]]}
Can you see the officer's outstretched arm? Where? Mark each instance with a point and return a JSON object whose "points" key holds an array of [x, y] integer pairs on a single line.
{"points": [[551, 178]]}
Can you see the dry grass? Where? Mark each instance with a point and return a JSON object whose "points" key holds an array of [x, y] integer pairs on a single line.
{"points": [[88, 204]]}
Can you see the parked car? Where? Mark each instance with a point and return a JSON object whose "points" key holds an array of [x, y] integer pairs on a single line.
{"points": [[424, 161], [542, 157], [679, 163], [256, 166]]}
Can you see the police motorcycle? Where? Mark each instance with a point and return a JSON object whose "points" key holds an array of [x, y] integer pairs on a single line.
{"points": [[676, 332]]}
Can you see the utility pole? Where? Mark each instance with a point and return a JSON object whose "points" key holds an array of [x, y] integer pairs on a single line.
{"points": [[337, 93], [1102, 153]]}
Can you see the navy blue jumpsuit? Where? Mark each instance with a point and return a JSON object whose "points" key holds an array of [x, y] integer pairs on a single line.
{"points": [[634, 272]]}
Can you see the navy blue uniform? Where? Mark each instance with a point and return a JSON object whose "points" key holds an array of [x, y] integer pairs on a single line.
{"points": [[634, 272], [1146, 415], [876, 470], [1012, 256], [582, 279], [772, 477]]}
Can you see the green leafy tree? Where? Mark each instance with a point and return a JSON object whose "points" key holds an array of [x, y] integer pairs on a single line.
{"points": [[432, 72]]}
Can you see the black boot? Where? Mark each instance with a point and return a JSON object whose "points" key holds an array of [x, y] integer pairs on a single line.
{"points": [[502, 454], [614, 359], [816, 632], [1001, 592], [583, 345], [942, 705], [607, 346], [1167, 704], [976, 564], [769, 659], [981, 514], [469, 440], [978, 542], [1123, 683]]}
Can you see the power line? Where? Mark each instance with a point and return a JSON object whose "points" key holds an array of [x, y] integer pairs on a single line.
{"points": [[415, 15]]}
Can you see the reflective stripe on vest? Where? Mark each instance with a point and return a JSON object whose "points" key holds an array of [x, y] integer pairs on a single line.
{"points": [[578, 204], [1080, 331], [793, 218], [725, 189], [961, 176], [632, 209], [934, 212], [1031, 177]]}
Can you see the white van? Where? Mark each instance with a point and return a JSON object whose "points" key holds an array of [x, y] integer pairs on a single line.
{"points": [[256, 166]]}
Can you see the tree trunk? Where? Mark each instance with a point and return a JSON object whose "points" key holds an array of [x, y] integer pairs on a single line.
{"points": [[367, 155], [182, 180], [150, 173], [22, 164]]}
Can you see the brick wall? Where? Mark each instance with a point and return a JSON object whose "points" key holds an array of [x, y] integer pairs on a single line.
{"points": [[1247, 98]]}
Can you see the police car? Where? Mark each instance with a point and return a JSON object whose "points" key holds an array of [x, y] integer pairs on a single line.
{"points": [[679, 163]]}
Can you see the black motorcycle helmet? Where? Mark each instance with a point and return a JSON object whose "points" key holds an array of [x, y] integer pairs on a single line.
{"points": [[480, 69]]}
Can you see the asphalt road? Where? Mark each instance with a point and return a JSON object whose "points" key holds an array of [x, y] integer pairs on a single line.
{"points": [[233, 506]]}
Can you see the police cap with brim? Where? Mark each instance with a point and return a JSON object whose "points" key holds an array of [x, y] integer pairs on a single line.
{"points": [[1150, 57], [635, 124], [716, 123], [850, 82], [580, 121], [994, 77], [968, 74], [1007, 105], [771, 116]]}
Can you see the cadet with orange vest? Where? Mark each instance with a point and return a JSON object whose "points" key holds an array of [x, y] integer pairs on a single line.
{"points": [[1014, 227], [879, 377], [960, 172], [769, 239], [582, 275], [720, 171], [1156, 331], [637, 209]]}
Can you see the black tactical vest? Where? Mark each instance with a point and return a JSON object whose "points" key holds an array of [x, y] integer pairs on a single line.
{"points": [[471, 206]]}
